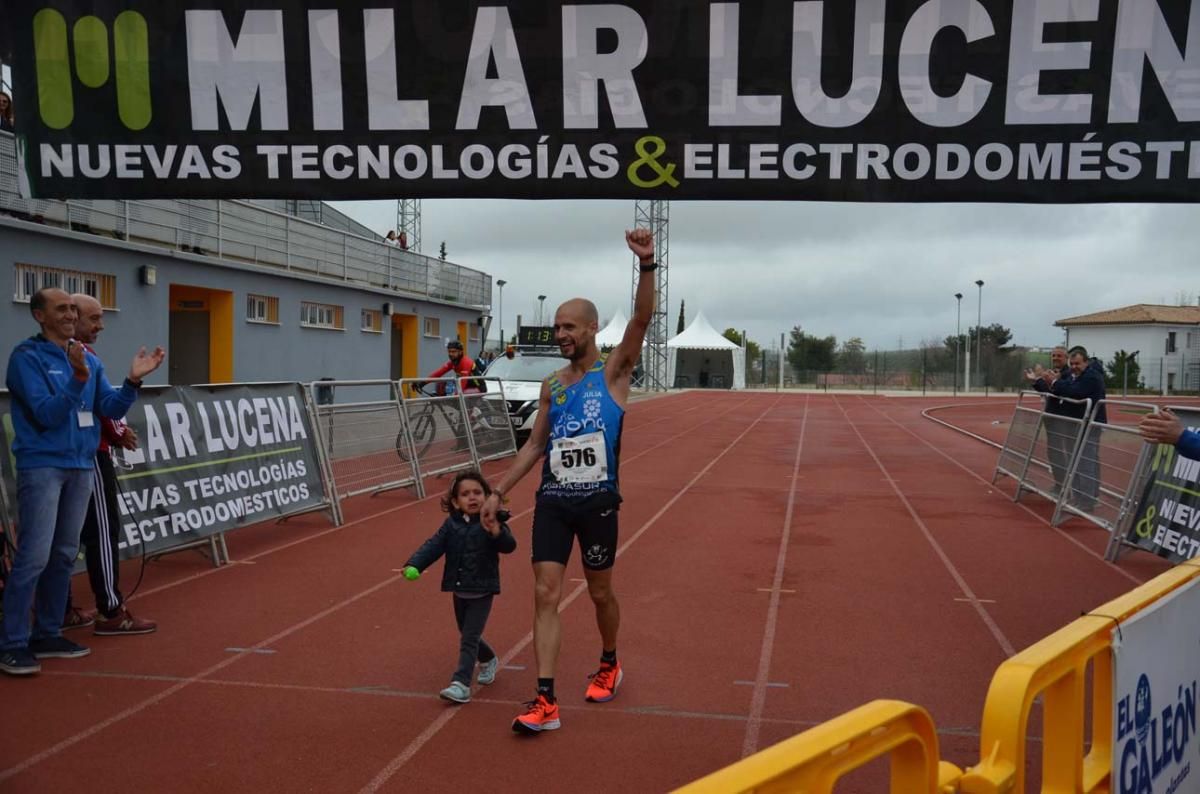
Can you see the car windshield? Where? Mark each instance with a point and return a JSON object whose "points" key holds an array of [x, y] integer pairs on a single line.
{"points": [[535, 368]]}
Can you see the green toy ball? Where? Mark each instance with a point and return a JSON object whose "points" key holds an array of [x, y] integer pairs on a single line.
{"points": [[411, 574]]}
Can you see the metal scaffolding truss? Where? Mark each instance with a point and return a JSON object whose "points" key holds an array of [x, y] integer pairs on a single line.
{"points": [[655, 216], [408, 219]]}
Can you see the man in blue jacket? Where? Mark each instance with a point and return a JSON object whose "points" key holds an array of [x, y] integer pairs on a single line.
{"points": [[1085, 381], [1165, 428], [58, 392]]}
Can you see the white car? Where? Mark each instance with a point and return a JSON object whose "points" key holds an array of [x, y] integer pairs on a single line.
{"points": [[521, 377]]}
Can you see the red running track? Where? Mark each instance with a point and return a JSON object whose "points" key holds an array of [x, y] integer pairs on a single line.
{"points": [[783, 559]]}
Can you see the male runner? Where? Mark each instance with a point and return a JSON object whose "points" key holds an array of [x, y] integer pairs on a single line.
{"points": [[578, 427]]}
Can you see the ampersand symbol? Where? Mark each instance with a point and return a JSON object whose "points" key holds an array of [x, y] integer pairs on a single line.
{"points": [[1146, 525], [649, 149]]}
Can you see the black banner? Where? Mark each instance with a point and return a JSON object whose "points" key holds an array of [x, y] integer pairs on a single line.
{"points": [[870, 100], [1168, 518], [211, 459]]}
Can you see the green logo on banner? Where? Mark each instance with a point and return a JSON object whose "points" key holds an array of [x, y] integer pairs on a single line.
{"points": [[130, 63]]}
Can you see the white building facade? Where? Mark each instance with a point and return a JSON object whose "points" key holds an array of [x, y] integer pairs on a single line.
{"points": [[1166, 339]]}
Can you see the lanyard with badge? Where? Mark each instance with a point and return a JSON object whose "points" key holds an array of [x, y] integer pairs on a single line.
{"points": [[83, 416]]}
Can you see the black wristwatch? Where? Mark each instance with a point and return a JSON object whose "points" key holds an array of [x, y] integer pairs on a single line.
{"points": [[137, 384], [650, 268]]}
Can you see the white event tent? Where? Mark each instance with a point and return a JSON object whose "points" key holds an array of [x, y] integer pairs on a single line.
{"points": [[612, 334], [702, 357]]}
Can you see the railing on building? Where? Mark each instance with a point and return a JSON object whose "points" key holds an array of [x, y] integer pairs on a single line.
{"points": [[241, 231]]}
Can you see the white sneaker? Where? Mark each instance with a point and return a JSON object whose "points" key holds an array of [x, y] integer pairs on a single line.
{"points": [[487, 671], [457, 692]]}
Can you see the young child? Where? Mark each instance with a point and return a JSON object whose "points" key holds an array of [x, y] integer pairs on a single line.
{"points": [[471, 573]]}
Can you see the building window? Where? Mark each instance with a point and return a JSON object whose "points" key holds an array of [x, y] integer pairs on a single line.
{"points": [[1170, 341], [30, 278], [262, 309], [473, 333], [372, 321], [433, 327], [321, 315]]}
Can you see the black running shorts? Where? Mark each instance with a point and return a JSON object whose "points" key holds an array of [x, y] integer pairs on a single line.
{"points": [[557, 522]]}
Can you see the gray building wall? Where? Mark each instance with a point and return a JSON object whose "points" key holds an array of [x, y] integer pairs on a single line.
{"points": [[261, 352]]}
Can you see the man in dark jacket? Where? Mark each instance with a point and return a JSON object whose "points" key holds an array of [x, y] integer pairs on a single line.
{"points": [[1084, 381], [1060, 435]]}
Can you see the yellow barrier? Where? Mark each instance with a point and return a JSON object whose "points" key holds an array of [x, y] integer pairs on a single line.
{"points": [[814, 760], [1055, 669]]}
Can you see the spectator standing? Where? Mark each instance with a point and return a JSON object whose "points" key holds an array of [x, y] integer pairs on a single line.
{"points": [[57, 390], [101, 525]]}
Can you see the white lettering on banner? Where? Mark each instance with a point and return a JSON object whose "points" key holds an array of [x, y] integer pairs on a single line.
{"points": [[1143, 37], [236, 76], [246, 423], [916, 84], [239, 509], [181, 430], [866, 79], [1030, 55], [384, 110], [727, 107], [1186, 469], [494, 40], [584, 67], [1153, 717], [325, 68], [252, 71], [61, 161]]}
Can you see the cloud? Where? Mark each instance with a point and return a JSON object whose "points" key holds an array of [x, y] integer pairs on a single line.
{"points": [[884, 272]]}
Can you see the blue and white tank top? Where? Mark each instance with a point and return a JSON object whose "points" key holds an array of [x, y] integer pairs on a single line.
{"points": [[585, 438]]}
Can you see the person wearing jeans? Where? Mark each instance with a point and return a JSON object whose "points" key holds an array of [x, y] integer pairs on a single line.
{"points": [[58, 390]]}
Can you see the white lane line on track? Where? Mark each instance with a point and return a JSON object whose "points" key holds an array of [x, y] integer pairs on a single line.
{"points": [[980, 609], [188, 681], [397, 763], [992, 489], [758, 699]]}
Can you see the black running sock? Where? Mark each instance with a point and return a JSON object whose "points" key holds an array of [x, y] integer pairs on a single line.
{"points": [[608, 657], [546, 687]]}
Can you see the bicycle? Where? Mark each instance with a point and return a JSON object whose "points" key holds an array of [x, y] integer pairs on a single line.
{"points": [[484, 417]]}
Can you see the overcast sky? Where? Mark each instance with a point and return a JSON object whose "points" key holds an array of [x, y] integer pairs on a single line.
{"points": [[884, 272]]}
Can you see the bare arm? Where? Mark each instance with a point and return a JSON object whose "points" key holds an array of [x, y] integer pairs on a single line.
{"points": [[527, 457], [625, 356]]}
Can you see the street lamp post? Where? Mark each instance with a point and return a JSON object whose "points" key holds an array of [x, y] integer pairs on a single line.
{"points": [[500, 283], [979, 335], [957, 338], [541, 316]]}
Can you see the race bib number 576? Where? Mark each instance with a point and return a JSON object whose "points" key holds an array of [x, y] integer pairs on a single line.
{"points": [[579, 459]]}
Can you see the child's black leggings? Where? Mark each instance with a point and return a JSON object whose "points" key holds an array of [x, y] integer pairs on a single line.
{"points": [[471, 614]]}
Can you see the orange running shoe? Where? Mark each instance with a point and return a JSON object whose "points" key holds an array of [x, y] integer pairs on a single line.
{"points": [[540, 715], [603, 683]]}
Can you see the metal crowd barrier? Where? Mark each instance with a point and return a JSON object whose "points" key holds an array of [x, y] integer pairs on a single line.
{"points": [[363, 436], [436, 418], [492, 433], [1040, 447], [1102, 478]]}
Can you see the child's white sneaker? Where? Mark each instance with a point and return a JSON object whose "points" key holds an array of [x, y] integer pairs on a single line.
{"points": [[487, 671], [457, 692]]}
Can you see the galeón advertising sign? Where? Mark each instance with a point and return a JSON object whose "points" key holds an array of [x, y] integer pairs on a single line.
{"points": [[861, 100]]}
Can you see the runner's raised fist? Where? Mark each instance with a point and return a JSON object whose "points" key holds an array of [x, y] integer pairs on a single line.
{"points": [[641, 242]]}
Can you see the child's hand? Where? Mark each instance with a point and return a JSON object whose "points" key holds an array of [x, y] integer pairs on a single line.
{"points": [[411, 573]]}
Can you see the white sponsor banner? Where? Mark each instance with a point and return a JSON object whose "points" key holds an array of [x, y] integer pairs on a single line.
{"points": [[1156, 663]]}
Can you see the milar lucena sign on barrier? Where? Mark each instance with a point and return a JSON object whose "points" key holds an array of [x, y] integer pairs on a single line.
{"points": [[863, 100]]}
